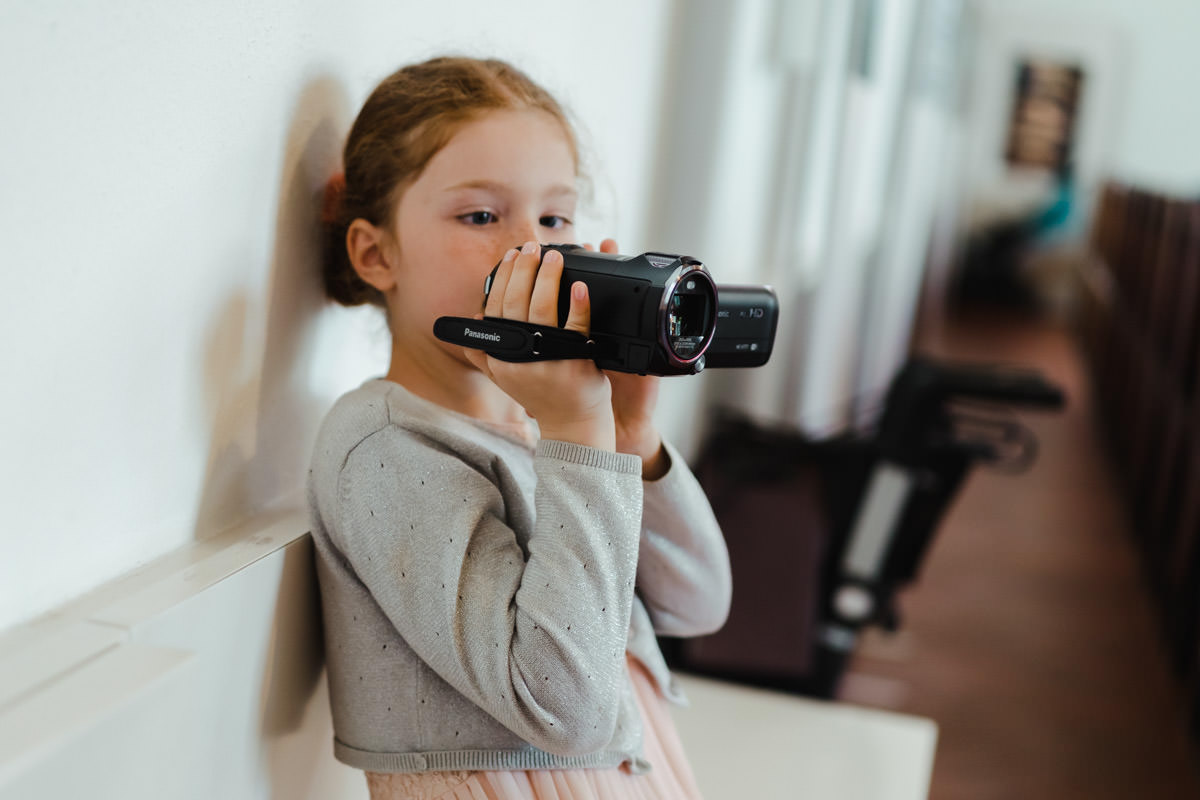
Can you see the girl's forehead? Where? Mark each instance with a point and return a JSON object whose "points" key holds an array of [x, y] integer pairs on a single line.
{"points": [[527, 147]]}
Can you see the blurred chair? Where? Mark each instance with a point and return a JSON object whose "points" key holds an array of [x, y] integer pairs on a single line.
{"points": [[822, 534]]}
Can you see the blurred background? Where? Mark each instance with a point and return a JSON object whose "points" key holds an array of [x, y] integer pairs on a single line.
{"points": [[980, 182]]}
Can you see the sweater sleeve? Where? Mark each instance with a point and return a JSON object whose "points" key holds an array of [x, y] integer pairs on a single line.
{"points": [[683, 573], [538, 643]]}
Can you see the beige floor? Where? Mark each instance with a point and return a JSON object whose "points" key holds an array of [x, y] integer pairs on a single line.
{"points": [[1029, 637]]}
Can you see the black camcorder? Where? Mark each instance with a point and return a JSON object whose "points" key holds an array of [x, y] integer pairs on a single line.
{"points": [[652, 314]]}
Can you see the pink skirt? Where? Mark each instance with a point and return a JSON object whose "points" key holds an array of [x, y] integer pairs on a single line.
{"points": [[670, 779]]}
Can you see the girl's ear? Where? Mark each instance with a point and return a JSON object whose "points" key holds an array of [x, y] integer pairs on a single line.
{"points": [[365, 243]]}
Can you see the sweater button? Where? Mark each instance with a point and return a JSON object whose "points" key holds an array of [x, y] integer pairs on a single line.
{"points": [[422, 762]]}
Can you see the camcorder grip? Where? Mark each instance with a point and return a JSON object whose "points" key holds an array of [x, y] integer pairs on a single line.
{"points": [[651, 314]]}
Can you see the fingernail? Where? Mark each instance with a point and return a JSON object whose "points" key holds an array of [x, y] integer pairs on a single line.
{"points": [[530, 248], [579, 290], [511, 254]]}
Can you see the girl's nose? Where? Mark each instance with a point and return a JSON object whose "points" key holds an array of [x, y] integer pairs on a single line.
{"points": [[526, 231]]}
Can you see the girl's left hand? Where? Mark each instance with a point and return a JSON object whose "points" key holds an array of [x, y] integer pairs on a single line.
{"points": [[633, 401]]}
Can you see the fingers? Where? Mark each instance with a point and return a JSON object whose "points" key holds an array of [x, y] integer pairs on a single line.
{"points": [[495, 301], [527, 288], [543, 306], [580, 316], [520, 284], [608, 246]]}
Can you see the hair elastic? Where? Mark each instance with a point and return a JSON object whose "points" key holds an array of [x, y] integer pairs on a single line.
{"points": [[331, 205]]}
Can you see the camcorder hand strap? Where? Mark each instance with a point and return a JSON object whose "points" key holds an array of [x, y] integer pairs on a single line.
{"points": [[511, 340]]}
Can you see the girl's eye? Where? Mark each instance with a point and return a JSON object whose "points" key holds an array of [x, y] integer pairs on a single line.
{"points": [[478, 218], [552, 221]]}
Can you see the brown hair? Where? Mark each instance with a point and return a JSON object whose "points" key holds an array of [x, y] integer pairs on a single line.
{"points": [[409, 117]]}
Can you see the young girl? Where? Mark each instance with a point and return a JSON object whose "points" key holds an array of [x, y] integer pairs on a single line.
{"points": [[497, 544]]}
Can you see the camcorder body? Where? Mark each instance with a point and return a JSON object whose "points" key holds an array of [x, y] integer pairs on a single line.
{"points": [[651, 314]]}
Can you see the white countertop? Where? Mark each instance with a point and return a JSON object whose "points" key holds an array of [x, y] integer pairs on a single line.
{"points": [[752, 743]]}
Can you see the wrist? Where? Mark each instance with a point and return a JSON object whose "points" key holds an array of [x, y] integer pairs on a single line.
{"points": [[645, 442], [657, 465], [589, 431]]}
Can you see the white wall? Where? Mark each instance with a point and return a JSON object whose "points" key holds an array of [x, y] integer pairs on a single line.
{"points": [[198, 677], [167, 355], [1157, 121], [1006, 34], [1137, 122]]}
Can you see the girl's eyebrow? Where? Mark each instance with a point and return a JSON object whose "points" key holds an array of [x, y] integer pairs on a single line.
{"points": [[561, 190], [476, 184], [557, 190]]}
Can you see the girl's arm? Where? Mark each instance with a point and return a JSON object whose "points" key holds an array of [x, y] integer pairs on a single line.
{"points": [[683, 573], [539, 643], [683, 570], [683, 566]]}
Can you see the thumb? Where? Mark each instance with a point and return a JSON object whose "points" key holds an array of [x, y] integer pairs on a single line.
{"points": [[579, 318]]}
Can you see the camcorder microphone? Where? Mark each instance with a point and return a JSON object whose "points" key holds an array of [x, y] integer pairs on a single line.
{"points": [[652, 314]]}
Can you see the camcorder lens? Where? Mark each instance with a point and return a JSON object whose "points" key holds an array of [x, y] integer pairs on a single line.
{"points": [[689, 319]]}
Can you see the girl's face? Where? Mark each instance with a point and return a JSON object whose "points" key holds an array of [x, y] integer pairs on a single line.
{"points": [[504, 179]]}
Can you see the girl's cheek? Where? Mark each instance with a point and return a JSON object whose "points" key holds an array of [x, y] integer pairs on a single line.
{"points": [[482, 252], [470, 263]]}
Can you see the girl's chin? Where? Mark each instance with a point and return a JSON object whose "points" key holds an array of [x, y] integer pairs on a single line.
{"points": [[458, 355]]}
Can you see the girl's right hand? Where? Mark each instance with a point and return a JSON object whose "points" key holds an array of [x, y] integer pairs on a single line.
{"points": [[570, 399]]}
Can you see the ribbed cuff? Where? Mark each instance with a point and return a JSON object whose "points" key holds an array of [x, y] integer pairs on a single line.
{"points": [[450, 760], [583, 455]]}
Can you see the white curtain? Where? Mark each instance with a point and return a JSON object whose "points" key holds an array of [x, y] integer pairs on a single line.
{"points": [[804, 147]]}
